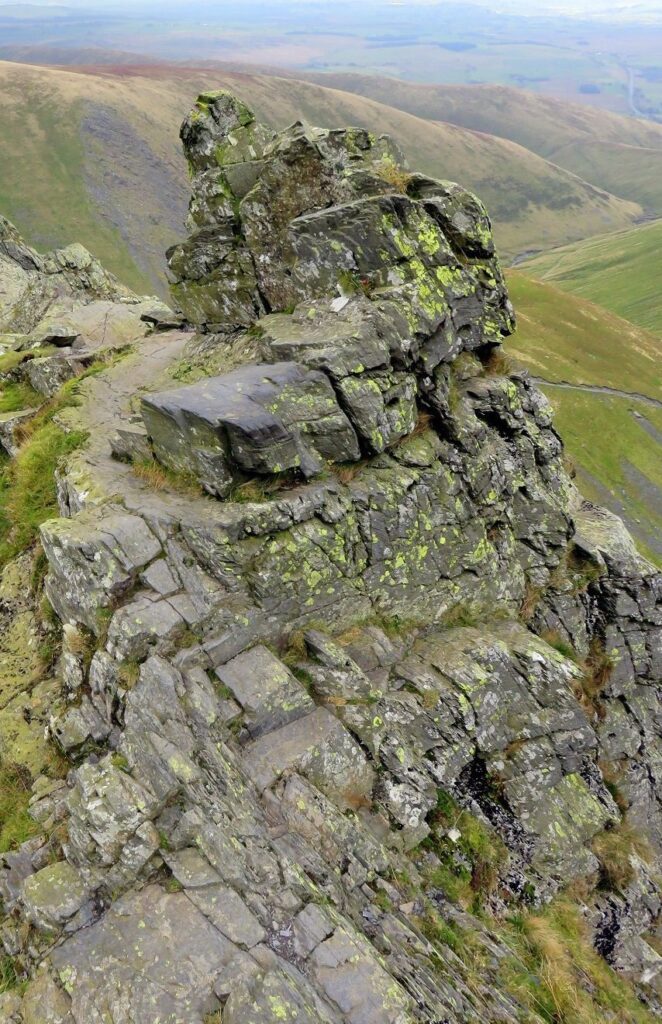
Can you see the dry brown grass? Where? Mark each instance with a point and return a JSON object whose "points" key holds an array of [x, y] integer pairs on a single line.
{"points": [[559, 643], [556, 971], [615, 849], [161, 479], [393, 175], [530, 602], [613, 776], [345, 472], [79, 642], [423, 423], [129, 673], [498, 364], [597, 669]]}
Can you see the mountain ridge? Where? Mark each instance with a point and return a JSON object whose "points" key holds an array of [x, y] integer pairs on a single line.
{"points": [[84, 116]]}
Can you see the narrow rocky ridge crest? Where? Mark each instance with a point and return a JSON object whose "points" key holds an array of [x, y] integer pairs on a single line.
{"points": [[349, 668]]}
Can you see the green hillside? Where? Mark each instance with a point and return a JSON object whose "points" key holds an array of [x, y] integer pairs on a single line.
{"points": [[614, 440], [61, 178], [620, 154], [620, 271]]}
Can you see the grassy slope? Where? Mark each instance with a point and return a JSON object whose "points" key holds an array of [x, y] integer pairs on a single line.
{"points": [[620, 154], [69, 134], [562, 337], [620, 271], [42, 185], [614, 442]]}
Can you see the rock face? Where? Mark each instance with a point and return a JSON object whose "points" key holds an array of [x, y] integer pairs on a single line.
{"points": [[58, 311], [392, 626]]}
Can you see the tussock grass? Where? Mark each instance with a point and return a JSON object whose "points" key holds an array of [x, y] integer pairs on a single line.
{"points": [[468, 868], [345, 472], [160, 478], [16, 825], [615, 849], [498, 363], [17, 396], [27, 488], [597, 668], [563, 646], [393, 174], [556, 973], [9, 974], [530, 601]]}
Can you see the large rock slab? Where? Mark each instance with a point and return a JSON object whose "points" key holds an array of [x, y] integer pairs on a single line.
{"points": [[93, 561], [321, 749], [266, 690], [152, 957], [260, 419]]}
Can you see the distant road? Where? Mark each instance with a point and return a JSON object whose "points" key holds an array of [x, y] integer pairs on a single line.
{"points": [[598, 389]]}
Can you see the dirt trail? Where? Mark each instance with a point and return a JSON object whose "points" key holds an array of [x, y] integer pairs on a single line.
{"points": [[108, 401]]}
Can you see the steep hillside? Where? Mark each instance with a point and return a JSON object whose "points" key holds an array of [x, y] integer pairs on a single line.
{"points": [[620, 154], [620, 271], [614, 436], [62, 179]]}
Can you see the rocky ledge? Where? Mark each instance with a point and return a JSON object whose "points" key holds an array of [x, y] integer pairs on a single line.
{"points": [[350, 673]]}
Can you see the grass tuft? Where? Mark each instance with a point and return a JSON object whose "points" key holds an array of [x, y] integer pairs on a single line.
{"points": [[16, 825], [392, 174], [18, 395], [497, 364], [555, 972], [530, 601], [615, 849], [27, 486], [555, 640], [9, 974], [468, 868], [161, 478]]}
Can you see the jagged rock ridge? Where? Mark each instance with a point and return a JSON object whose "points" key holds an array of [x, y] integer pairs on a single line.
{"points": [[287, 674]]}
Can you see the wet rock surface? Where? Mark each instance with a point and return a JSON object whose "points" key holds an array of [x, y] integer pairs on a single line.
{"points": [[393, 623]]}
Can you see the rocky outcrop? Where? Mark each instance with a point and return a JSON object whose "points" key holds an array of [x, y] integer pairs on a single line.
{"points": [[364, 666], [58, 311]]}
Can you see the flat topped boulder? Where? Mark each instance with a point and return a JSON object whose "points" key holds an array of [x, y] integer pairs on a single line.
{"points": [[261, 419]]}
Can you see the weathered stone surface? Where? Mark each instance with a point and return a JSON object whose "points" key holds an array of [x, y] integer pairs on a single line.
{"points": [[262, 419], [267, 692], [45, 1002], [144, 625], [382, 407], [48, 373], [276, 995], [152, 957], [91, 565], [228, 912], [321, 749], [353, 979], [53, 895]]}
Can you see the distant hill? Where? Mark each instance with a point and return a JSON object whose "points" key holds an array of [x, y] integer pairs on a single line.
{"points": [[95, 157], [620, 154], [620, 271], [614, 436]]}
